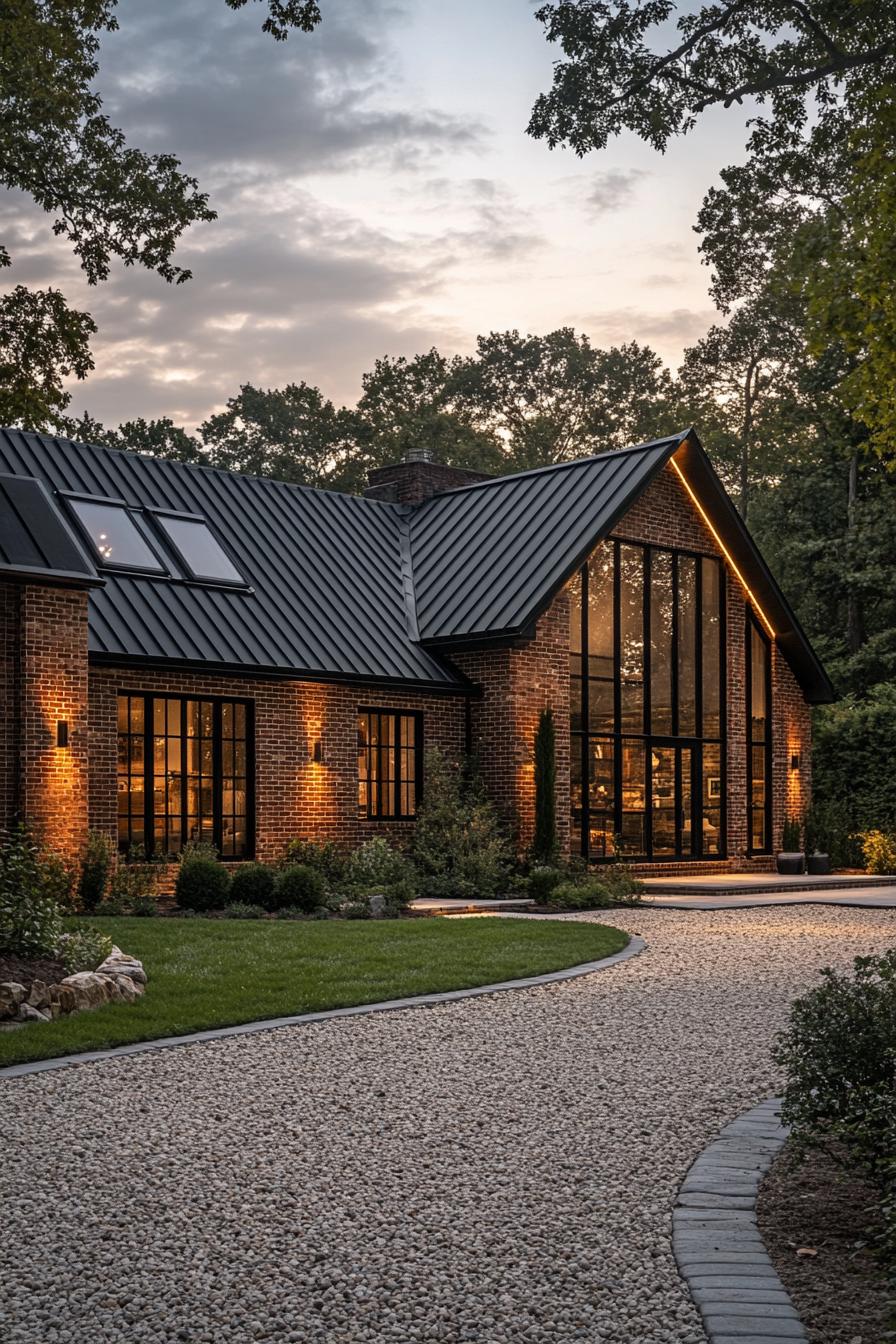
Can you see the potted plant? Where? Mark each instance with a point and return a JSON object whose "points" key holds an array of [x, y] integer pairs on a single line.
{"points": [[791, 859], [818, 858]]}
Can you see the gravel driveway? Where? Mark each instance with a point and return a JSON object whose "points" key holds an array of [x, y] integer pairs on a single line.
{"points": [[496, 1170]]}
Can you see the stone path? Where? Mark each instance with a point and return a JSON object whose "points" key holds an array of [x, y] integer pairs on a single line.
{"points": [[500, 1170]]}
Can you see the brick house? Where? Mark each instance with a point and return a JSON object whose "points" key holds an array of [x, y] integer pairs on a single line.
{"points": [[191, 653]]}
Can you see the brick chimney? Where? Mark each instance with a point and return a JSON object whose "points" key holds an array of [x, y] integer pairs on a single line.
{"points": [[416, 478]]}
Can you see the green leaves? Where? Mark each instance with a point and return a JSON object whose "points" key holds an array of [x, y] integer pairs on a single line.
{"points": [[42, 342]]}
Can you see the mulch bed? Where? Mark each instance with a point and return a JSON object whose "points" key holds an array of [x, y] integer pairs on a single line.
{"points": [[839, 1291], [22, 972]]}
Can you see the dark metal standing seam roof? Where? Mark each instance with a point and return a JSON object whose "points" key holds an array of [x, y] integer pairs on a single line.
{"points": [[327, 597], [487, 556]]}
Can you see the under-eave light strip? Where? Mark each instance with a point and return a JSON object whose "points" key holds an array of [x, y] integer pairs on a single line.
{"points": [[723, 548]]}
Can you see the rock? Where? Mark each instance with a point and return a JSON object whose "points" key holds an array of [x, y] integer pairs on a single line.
{"points": [[40, 994], [126, 989], [66, 998], [377, 905], [28, 1014], [91, 990], [11, 995], [119, 963]]}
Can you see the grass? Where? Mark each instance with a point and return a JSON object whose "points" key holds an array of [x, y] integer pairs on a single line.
{"points": [[215, 973]]}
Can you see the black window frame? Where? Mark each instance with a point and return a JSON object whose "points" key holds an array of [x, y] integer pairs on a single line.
{"points": [[135, 513], [149, 814], [752, 624], [396, 715], [581, 739], [159, 515]]}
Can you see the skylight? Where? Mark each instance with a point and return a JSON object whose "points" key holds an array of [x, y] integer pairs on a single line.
{"points": [[115, 535], [198, 549]]}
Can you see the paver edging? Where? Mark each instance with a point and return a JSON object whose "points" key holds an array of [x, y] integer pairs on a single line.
{"points": [[633, 948], [716, 1239]]}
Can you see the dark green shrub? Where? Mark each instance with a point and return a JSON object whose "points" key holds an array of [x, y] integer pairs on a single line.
{"points": [[621, 883], [542, 882], [243, 910], [854, 743], [300, 886], [544, 842], [839, 1056], [83, 947], [132, 887], [459, 847], [376, 867], [323, 855], [202, 882], [827, 832], [587, 893], [253, 883], [144, 906], [30, 925], [95, 865], [355, 910]]}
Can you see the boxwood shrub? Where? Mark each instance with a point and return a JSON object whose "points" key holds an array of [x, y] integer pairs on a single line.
{"points": [[301, 886], [202, 883], [252, 884]]}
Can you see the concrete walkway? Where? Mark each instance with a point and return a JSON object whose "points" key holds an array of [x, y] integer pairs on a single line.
{"points": [[499, 1170]]}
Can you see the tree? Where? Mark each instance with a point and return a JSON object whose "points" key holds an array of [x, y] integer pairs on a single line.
{"points": [[412, 403], [293, 433], [621, 74], [106, 198], [551, 398]]}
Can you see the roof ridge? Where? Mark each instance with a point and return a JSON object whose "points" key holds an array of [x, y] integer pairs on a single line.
{"points": [[678, 437]]}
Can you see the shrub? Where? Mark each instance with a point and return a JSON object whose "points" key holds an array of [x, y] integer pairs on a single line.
{"points": [[376, 867], [355, 910], [587, 893], [323, 855], [839, 1056], [202, 882], [852, 758], [299, 886], [144, 906], [791, 835], [879, 851], [29, 915], [459, 847], [828, 832], [542, 882], [621, 883], [544, 843], [95, 865], [83, 948], [243, 910], [253, 883], [132, 885]]}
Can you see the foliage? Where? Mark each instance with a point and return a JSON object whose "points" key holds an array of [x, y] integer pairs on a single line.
{"points": [[298, 885], [243, 910], [202, 882], [459, 848], [621, 883], [83, 947], [852, 759], [324, 855], [376, 867], [584, 893], [29, 916], [43, 343], [839, 1056], [253, 884], [95, 865], [542, 881], [791, 835], [826, 832], [879, 851], [131, 887], [544, 843], [59, 879]]}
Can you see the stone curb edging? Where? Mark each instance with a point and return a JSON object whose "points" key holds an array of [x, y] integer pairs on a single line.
{"points": [[716, 1240], [633, 948]]}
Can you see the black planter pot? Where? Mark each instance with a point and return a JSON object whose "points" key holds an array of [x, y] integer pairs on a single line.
{"points": [[818, 863], [790, 865]]}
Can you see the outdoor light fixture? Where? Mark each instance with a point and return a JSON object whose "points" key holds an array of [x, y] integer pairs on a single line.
{"points": [[795, 761], [62, 732], [317, 752]]}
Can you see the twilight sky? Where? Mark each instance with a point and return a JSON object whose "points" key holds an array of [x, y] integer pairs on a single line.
{"points": [[377, 194]]}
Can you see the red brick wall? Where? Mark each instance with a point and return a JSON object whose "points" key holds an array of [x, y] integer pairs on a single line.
{"points": [[295, 796], [413, 482], [43, 679]]}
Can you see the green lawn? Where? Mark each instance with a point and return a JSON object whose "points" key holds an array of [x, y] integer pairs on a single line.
{"points": [[214, 973]]}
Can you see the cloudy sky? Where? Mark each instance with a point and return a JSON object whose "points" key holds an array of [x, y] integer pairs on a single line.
{"points": [[376, 194]]}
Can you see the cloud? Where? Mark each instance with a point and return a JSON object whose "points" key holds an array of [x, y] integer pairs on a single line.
{"points": [[668, 329], [612, 189]]}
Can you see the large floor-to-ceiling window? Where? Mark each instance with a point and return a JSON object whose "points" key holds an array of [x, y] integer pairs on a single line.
{"points": [[759, 746], [647, 643]]}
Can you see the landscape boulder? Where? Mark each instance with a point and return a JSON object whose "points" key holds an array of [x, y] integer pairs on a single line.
{"points": [[11, 995]]}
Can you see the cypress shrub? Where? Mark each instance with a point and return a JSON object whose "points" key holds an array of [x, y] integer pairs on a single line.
{"points": [[544, 843]]}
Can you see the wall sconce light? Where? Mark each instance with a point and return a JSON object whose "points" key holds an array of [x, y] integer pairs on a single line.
{"points": [[62, 732], [795, 761], [317, 751]]}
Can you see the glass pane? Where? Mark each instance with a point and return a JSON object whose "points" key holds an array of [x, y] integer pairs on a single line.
{"points": [[575, 792], [711, 634], [631, 637], [173, 716], [600, 611], [203, 553], [687, 644], [757, 829], [758, 776], [662, 762], [633, 797], [575, 704], [601, 717], [712, 799], [600, 798], [686, 809], [758, 668], [575, 618], [122, 713], [661, 641], [115, 536]]}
